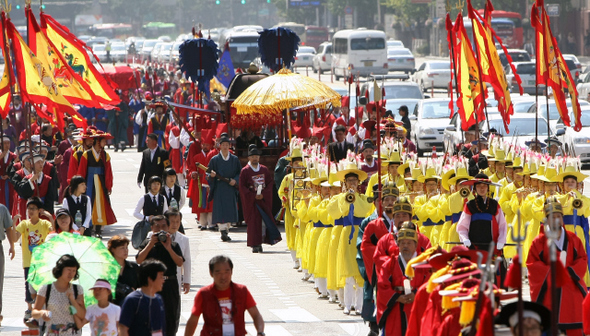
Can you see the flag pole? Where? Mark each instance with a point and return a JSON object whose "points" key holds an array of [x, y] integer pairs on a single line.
{"points": [[452, 41], [377, 197]]}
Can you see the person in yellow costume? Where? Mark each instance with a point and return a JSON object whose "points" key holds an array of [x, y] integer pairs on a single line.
{"points": [[452, 206], [310, 199], [285, 193], [340, 208], [426, 207], [322, 251], [499, 161], [533, 206], [489, 153], [416, 187], [508, 190], [393, 175], [516, 201], [508, 169], [331, 238], [317, 226], [576, 207]]}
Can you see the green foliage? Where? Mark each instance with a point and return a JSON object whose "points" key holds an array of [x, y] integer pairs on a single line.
{"points": [[407, 11]]}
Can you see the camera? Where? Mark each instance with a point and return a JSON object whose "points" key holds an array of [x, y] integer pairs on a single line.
{"points": [[162, 236]]}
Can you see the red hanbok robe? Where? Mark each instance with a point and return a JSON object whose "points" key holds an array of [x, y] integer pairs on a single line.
{"points": [[450, 324], [74, 162], [43, 190], [433, 316], [393, 316], [251, 207], [99, 181], [418, 308], [19, 204], [6, 188], [371, 236], [387, 249], [198, 190], [174, 148], [571, 294]]}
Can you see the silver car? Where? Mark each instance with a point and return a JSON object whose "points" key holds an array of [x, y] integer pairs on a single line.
{"points": [[304, 57], [433, 74], [579, 141], [400, 59], [527, 72], [322, 61], [429, 122]]}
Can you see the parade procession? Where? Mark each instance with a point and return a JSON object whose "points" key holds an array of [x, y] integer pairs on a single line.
{"points": [[345, 208]]}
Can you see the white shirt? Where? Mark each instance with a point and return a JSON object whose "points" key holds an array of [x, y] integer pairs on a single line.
{"points": [[392, 227], [225, 158], [39, 180], [103, 321], [257, 169], [185, 270], [152, 153], [138, 212], [182, 199], [78, 199], [404, 260]]}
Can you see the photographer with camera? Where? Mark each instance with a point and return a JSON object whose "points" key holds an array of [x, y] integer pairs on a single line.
{"points": [[159, 246]]}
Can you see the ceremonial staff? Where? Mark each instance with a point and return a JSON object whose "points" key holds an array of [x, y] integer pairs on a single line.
{"points": [[378, 196], [552, 233], [519, 239]]}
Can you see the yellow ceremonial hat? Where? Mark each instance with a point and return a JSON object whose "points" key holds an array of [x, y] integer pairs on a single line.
{"points": [[509, 158], [528, 168], [460, 174], [516, 162], [416, 173], [351, 168], [571, 170], [445, 179], [550, 175], [401, 170], [499, 156], [540, 172], [295, 153], [394, 157], [430, 174], [319, 179]]}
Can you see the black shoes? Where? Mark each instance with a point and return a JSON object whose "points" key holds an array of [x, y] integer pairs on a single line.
{"points": [[257, 249]]}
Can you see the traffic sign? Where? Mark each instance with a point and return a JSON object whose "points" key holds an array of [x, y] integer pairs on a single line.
{"points": [[348, 10], [552, 9]]}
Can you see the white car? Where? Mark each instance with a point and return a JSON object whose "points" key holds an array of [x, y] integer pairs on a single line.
{"points": [[322, 60], [164, 54], [553, 111], [147, 47], [395, 44], [433, 74], [575, 59], [156, 52], [517, 55], [304, 57], [400, 59], [100, 52], [394, 90], [175, 53], [118, 52], [584, 86], [527, 72], [580, 141], [429, 121]]}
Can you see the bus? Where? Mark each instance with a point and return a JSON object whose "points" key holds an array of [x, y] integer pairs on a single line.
{"points": [[504, 28], [359, 51], [314, 36], [517, 40], [298, 28], [157, 29], [111, 30], [243, 47]]}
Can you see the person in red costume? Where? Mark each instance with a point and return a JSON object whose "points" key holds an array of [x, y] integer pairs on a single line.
{"points": [[395, 291], [76, 152], [198, 190], [95, 167], [176, 140], [572, 266]]}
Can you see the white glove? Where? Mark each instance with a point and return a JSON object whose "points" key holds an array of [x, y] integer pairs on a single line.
{"points": [[467, 242], [139, 185], [499, 246]]}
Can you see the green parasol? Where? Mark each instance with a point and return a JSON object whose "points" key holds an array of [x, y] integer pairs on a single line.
{"points": [[96, 262]]}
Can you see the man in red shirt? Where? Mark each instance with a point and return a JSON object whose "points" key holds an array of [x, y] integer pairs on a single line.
{"points": [[223, 304]]}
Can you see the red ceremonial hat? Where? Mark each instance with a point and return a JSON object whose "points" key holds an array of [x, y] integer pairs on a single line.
{"points": [[345, 101], [369, 125], [148, 96], [461, 251], [460, 268], [102, 135], [207, 136], [158, 104], [89, 132]]}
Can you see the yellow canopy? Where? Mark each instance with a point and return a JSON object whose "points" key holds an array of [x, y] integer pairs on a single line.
{"points": [[284, 90]]}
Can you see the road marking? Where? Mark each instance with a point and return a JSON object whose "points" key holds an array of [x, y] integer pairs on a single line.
{"points": [[294, 315], [275, 330]]}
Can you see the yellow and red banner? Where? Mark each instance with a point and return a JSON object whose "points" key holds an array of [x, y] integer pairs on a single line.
{"points": [[5, 82], [555, 71], [71, 84], [491, 67], [74, 53], [471, 96]]}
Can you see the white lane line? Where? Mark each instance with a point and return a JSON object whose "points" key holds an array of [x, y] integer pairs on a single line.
{"points": [[269, 329], [294, 315]]}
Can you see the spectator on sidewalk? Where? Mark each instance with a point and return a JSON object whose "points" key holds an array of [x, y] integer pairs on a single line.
{"points": [[7, 232]]}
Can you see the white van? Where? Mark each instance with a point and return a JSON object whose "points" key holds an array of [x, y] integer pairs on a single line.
{"points": [[359, 51]]}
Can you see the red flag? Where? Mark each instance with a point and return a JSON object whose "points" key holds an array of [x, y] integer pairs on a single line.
{"points": [[7, 80]]}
